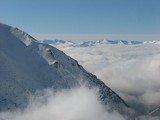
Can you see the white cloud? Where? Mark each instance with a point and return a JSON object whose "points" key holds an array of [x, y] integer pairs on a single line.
{"points": [[74, 104], [132, 71]]}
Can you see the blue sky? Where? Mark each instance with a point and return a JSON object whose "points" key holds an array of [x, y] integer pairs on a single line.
{"points": [[91, 17]]}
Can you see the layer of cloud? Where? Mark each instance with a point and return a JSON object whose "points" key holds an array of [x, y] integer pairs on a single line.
{"points": [[74, 104], [132, 71]]}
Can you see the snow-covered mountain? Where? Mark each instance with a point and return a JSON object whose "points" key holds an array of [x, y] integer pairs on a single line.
{"points": [[27, 65], [99, 42]]}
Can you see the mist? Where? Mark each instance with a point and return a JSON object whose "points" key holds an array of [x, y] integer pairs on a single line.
{"points": [[74, 104], [133, 71]]}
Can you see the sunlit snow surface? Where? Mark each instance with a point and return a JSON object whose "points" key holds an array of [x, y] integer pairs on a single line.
{"points": [[28, 66], [58, 88]]}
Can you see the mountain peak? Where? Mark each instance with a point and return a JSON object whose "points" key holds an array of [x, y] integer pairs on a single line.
{"points": [[27, 65], [9, 32], [2, 25]]}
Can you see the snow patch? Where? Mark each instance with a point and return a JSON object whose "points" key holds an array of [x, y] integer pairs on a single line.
{"points": [[47, 54], [25, 38]]}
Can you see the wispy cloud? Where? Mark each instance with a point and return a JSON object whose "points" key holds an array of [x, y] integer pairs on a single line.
{"points": [[132, 71], [74, 104]]}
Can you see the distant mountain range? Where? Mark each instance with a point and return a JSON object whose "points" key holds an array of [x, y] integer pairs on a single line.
{"points": [[99, 42], [57, 42]]}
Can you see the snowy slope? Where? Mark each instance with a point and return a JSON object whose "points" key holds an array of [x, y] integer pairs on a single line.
{"points": [[27, 65], [155, 112]]}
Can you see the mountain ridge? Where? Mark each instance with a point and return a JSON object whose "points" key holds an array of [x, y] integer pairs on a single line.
{"points": [[99, 42], [28, 65]]}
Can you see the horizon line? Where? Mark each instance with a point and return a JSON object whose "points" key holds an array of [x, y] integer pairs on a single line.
{"points": [[93, 37]]}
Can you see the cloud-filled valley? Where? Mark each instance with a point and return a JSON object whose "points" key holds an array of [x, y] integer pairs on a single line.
{"points": [[133, 71], [130, 70]]}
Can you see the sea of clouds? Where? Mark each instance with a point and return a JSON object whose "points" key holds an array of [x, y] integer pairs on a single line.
{"points": [[133, 71]]}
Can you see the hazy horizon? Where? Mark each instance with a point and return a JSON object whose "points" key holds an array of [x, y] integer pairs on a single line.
{"points": [[95, 37], [85, 19]]}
